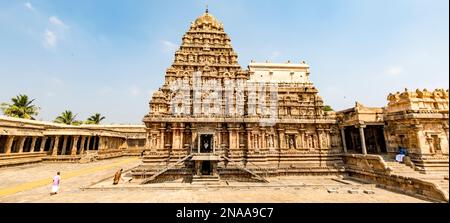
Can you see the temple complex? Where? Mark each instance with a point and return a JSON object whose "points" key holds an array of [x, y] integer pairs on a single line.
{"points": [[213, 120]]}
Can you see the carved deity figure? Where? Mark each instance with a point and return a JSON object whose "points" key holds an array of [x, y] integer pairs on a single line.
{"points": [[291, 144], [271, 141], [154, 140], [431, 144]]}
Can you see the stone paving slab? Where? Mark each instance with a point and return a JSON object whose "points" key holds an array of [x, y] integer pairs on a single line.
{"points": [[77, 176]]}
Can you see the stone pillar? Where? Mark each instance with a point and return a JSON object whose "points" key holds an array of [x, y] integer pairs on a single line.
{"points": [[88, 139], [263, 140], [43, 142], [101, 141], [65, 138], [418, 131], [199, 143], [52, 142], [230, 139], [344, 144], [181, 138], [161, 146], [319, 138], [238, 144], [363, 139], [297, 141], [282, 139], [214, 143], [55, 146], [9, 143], [219, 138], [74, 145], [148, 143], [82, 144], [302, 138], [198, 167], [386, 139], [33, 144], [194, 137], [249, 139], [22, 143], [174, 139]]}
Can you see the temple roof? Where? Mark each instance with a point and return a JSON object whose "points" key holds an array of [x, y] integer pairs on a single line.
{"points": [[207, 19]]}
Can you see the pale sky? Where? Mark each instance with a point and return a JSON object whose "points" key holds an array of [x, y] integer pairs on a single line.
{"points": [[108, 56]]}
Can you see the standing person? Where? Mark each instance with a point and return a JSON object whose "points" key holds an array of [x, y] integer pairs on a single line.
{"points": [[117, 177], [55, 184]]}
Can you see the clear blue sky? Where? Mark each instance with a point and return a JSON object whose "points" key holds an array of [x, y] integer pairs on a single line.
{"points": [[108, 56]]}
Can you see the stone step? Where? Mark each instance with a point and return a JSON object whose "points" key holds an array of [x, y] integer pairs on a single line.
{"points": [[206, 177], [205, 180]]}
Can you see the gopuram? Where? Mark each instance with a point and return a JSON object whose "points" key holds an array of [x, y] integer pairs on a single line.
{"points": [[213, 118]]}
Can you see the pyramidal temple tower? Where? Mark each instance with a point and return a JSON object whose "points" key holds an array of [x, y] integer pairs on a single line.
{"points": [[213, 120], [205, 50]]}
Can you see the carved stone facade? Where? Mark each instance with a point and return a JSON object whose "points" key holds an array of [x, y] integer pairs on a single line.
{"points": [[418, 121], [294, 135]]}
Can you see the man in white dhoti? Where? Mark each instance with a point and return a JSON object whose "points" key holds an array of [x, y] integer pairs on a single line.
{"points": [[55, 184]]}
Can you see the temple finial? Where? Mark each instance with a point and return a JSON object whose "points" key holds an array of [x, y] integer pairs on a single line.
{"points": [[207, 8]]}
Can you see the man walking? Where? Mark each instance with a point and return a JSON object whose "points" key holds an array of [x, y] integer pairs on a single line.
{"points": [[55, 185]]}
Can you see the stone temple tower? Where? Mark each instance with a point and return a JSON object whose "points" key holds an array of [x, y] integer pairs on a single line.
{"points": [[213, 119]]}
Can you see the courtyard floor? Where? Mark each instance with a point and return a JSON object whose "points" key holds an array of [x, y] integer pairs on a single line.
{"points": [[91, 183]]}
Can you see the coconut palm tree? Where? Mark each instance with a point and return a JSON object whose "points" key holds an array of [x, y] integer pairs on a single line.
{"points": [[95, 119], [67, 117], [21, 107]]}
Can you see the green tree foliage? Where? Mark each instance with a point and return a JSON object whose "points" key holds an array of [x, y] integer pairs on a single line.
{"points": [[21, 107]]}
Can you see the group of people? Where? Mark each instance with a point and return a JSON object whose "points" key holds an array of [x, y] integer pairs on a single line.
{"points": [[57, 181]]}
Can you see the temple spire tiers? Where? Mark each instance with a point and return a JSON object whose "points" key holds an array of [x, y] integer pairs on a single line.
{"points": [[264, 118]]}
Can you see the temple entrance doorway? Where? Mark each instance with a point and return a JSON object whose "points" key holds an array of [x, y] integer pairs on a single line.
{"points": [[206, 168], [206, 143]]}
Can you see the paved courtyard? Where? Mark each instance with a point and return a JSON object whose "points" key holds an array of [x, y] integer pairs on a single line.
{"points": [[92, 183]]}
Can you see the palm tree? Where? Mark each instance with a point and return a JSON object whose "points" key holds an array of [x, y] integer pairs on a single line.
{"points": [[67, 117], [21, 107], [95, 119]]}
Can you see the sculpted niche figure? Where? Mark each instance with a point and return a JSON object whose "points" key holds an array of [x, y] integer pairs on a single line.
{"points": [[291, 143]]}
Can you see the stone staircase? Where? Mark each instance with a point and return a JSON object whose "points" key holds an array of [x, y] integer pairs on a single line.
{"points": [[206, 180], [240, 166], [439, 178], [165, 169]]}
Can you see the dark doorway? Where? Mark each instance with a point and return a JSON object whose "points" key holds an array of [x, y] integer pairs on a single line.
{"points": [[206, 143], [353, 139], [375, 141], [206, 168]]}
